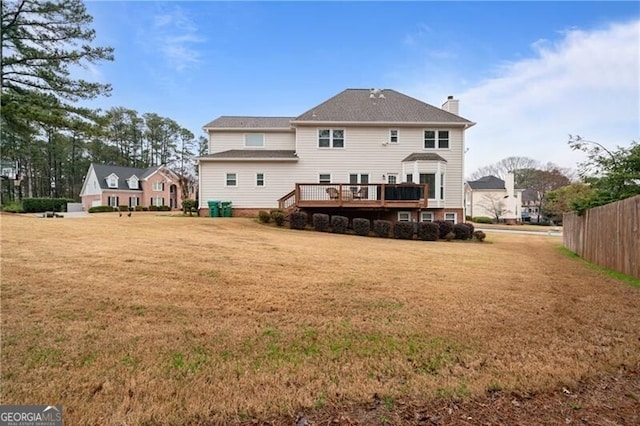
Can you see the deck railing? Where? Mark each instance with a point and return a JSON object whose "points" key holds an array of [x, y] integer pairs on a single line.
{"points": [[403, 195], [288, 200]]}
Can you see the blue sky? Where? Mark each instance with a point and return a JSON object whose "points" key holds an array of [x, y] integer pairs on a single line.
{"points": [[529, 73]]}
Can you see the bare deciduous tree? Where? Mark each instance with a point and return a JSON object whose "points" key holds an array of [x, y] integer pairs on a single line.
{"points": [[504, 166], [494, 204]]}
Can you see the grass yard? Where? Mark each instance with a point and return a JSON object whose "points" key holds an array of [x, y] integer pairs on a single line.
{"points": [[170, 320]]}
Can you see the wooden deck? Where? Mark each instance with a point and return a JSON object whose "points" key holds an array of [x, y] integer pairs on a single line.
{"points": [[346, 195]]}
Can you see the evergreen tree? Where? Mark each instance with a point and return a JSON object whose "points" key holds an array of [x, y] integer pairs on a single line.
{"points": [[41, 43]]}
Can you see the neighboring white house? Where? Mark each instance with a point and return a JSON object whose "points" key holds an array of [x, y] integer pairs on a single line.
{"points": [[492, 197], [360, 137]]}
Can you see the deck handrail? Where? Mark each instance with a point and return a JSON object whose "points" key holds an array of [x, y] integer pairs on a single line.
{"points": [[288, 200], [402, 195]]}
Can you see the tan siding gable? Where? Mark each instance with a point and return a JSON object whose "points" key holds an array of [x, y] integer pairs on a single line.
{"points": [[224, 141]]}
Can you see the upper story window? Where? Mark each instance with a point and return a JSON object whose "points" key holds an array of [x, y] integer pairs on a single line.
{"points": [[436, 139], [324, 178], [254, 140], [133, 182], [112, 181], [157, 186], [330, 138], [393, 136], [259, 179]]}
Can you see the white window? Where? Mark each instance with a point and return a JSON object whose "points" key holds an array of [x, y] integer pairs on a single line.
{"points": [[254, 140], [330, 138], [429, 179], [404, 216], [259, 179], [409, 178], [450, 217], [112, 181], [157, 201], [442, 186], [324, 178], [426, 216], [359, 178], [113, 201], [231, 179], [133, 182], [392, 178], [393, 136], [158, 186], [436, 138], [134, 201]]}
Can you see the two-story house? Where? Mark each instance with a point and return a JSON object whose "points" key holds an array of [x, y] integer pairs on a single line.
{"points": [[107, 185], [364, 152], [495, 198]]}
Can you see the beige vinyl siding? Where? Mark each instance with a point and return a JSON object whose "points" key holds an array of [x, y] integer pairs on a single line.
{"points": [[224, 141], [366, 151], [279, 179]]}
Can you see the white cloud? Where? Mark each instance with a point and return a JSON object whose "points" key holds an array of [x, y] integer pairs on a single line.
{"points": [[175, 35], [414, 37], [586, 83]]}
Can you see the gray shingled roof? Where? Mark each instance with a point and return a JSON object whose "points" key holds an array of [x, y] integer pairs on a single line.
{"points": [[357, 105], [123, 173], [424, 156], [487, 182], [530, 195], [253, 154], [226, 122]]}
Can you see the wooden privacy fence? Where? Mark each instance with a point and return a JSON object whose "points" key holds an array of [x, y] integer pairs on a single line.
{"points": [[608, 235]]}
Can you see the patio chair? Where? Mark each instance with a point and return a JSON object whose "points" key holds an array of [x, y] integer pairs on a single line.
{"points": [[333, 193], [361, 193]]}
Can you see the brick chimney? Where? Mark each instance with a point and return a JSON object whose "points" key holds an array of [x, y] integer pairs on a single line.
{"points": [[451, 105]]}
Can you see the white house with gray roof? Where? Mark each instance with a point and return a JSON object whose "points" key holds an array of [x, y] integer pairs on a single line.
{"points": [[371, 146], [495, 198]]}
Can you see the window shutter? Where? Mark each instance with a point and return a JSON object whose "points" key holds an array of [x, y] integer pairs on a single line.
{"points": [[163, 190], [162, 197], [117, 201]]}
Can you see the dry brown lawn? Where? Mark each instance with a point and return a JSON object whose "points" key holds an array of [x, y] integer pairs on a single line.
{"points": [[171, 320]]}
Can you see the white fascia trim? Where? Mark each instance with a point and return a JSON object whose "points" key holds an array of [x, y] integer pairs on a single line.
{"points": [[252, 160], [393, 124], [249, 129]]}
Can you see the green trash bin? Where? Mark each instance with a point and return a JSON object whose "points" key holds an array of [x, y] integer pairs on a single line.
{"points": [[214, 208], [226, 208]]}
